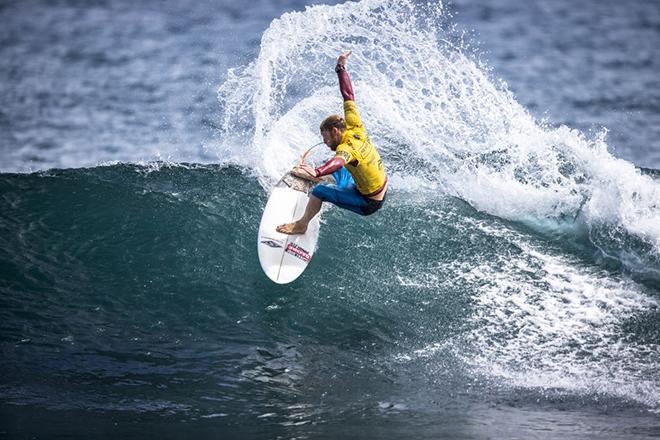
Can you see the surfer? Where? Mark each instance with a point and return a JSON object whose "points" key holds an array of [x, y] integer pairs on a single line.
{"points": [[360, 179]]}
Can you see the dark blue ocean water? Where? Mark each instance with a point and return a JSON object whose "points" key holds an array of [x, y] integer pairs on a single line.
{"points": [[508, 289]]}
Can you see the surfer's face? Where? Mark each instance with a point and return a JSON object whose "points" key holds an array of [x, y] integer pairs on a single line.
{"points": [[332, 137]]}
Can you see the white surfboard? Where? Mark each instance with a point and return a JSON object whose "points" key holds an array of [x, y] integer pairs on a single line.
{"points": [[285, 257]]}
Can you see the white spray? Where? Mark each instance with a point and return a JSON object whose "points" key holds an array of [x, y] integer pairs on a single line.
{"points": [[439, 120]]}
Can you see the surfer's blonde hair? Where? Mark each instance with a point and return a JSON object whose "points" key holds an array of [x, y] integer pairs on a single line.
{"points": [[333, 121]]}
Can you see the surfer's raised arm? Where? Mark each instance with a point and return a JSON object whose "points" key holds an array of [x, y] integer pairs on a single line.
{"points": [[345, 85], [351, 115]]}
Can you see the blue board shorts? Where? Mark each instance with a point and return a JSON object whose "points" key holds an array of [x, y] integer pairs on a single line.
{"points": [[345, 195]]}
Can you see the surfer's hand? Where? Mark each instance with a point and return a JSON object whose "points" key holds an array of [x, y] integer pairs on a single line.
{"points": [[343, 58], [305, 171]]}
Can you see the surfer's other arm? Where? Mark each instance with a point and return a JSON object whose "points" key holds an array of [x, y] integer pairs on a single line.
{"points": [[306, 172]]}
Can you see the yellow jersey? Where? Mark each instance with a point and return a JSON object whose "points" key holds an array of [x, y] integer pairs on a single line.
{"points": [[362, 158]]}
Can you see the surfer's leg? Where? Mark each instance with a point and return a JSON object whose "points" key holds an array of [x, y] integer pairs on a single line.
{"points": [[313, 208], [300, 226], [346, 198]]}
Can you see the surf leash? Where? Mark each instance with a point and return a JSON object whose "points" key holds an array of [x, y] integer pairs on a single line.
{"points": [[301, 161], [306, 153]]}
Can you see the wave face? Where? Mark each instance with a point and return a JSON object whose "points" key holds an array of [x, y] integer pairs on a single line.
{"points": [[135, 293], [441, 122]]}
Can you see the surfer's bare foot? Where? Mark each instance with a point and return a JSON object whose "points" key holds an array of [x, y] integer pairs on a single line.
{"points": [[292, 228]]}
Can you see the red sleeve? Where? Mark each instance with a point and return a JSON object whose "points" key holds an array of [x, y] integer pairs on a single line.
{"points": [[330, 166], [345, 85]]}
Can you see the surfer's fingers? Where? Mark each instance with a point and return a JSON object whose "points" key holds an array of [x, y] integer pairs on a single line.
{"points": [[306, 168], [344, 57]]}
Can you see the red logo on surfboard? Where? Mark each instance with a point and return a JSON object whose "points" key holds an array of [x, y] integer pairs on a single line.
{"points": [[299, 252]]}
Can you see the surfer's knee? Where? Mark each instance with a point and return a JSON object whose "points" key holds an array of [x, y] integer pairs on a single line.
{"points": [[318, 192]]}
